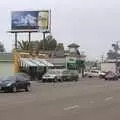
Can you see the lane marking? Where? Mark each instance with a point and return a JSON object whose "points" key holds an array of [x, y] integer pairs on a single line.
{"points": [[71, 107], [108, 98], [92, 102]]}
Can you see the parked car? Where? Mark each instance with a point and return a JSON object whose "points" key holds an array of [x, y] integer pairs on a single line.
{"points": [[60, 75], [111, 76], [95, 73], [15, 83], [70, 75]]}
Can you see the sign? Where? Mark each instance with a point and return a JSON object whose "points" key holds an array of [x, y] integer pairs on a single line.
{"points": [[31, 20], [44, 21], [71, 60]]}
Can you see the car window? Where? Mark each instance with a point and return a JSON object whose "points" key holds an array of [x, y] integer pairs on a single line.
{"points": [[65, 72], [11, 78], [94, 71]]}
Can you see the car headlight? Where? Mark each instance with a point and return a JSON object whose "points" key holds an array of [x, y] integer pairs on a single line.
{"points": [[9, 84]]}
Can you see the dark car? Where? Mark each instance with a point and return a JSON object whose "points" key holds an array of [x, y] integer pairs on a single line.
{"points": [[15, 83], [111, 76]]}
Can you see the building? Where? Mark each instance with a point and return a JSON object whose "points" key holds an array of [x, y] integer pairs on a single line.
{"points": [[6, 64], [70, 59]]}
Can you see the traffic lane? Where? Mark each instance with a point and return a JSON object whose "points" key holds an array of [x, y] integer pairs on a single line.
{"points": [[49, 92], [76, 108], [68, 107]]}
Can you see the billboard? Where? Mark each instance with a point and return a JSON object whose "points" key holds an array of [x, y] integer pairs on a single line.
{"points": [[44, 20], [31, 20]]}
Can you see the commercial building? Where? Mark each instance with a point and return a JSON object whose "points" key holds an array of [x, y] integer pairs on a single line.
{"points": [[6, 64]]}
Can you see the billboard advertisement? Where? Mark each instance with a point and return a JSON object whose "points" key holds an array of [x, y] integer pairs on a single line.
{"points": [[39, 20]]}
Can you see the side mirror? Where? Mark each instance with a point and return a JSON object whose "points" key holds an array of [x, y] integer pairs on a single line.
{"points": [[17, 81]]}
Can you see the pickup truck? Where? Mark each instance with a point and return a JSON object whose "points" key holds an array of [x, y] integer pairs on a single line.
{"points": [[94, 73]]}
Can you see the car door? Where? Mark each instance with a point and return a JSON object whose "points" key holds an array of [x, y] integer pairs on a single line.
{"points": [[19, 82]]}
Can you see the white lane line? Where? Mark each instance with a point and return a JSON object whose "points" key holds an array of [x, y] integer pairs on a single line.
{"points": [[108, 98], [92, 102], [71, 107]]}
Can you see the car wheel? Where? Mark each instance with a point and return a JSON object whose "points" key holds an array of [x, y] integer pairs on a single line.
{"points": [[61, 80], [28, 88], [76, 79], [90, 76], [106, 79], [55, 80], [100, 76], [14, 89], [43, 80]]}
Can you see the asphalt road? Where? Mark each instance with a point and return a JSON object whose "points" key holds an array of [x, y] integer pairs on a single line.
{"points": [[88, 99]]}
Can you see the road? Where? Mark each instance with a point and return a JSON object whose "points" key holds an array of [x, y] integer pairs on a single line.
{"points": [[88, 99]]}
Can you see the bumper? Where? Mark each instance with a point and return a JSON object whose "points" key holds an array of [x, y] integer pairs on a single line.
{"points": [[6, 88], [48, 79]]}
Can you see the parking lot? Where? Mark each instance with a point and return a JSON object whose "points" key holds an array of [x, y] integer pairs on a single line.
{"points": [[87, 99]]}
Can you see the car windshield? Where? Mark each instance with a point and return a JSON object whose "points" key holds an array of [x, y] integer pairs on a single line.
{"points": [[7, 81], [65, 72], [53, 72], [11, 78]]}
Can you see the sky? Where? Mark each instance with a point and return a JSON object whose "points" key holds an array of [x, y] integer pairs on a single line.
{"points": [[93, 24]]}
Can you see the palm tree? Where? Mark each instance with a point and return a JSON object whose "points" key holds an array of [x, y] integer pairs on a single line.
{"points": [[23, 45]]}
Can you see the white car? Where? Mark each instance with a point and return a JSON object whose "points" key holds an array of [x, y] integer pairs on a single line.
{"points": [[52, 75], [95, 73]]}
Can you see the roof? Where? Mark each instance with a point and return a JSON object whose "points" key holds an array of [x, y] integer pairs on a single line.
{"points": [[73, 45], [29, 62], [46, 62]]}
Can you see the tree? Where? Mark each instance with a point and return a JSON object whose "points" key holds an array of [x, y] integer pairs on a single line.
{"points": [[23, 45], [2, 49], [60, 46], [114, 53], [48, 44]]}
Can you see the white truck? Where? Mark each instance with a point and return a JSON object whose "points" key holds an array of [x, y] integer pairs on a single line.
{"points": [[94, 73], [107, 66]]}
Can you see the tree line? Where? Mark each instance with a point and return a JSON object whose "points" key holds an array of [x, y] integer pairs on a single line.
{"points": [[48, 44], [114, 52]]}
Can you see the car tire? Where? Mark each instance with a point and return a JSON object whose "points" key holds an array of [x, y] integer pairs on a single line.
{"points": [[14, 89], [55, 80], [43, 81], [76, 79], [101, 77], [90, 76], [61, 80], [28, 88]]}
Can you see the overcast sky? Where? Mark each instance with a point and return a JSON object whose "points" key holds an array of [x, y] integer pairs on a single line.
{"points": [[93, 24]]}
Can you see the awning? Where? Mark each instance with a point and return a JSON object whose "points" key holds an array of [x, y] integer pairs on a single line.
{"points": [[48, 64], [25, 62], [29, 62], [37, 62]]}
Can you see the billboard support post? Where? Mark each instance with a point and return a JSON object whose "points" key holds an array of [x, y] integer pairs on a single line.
{"points": [[16, 40], [29, 35], [43, 40]]}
